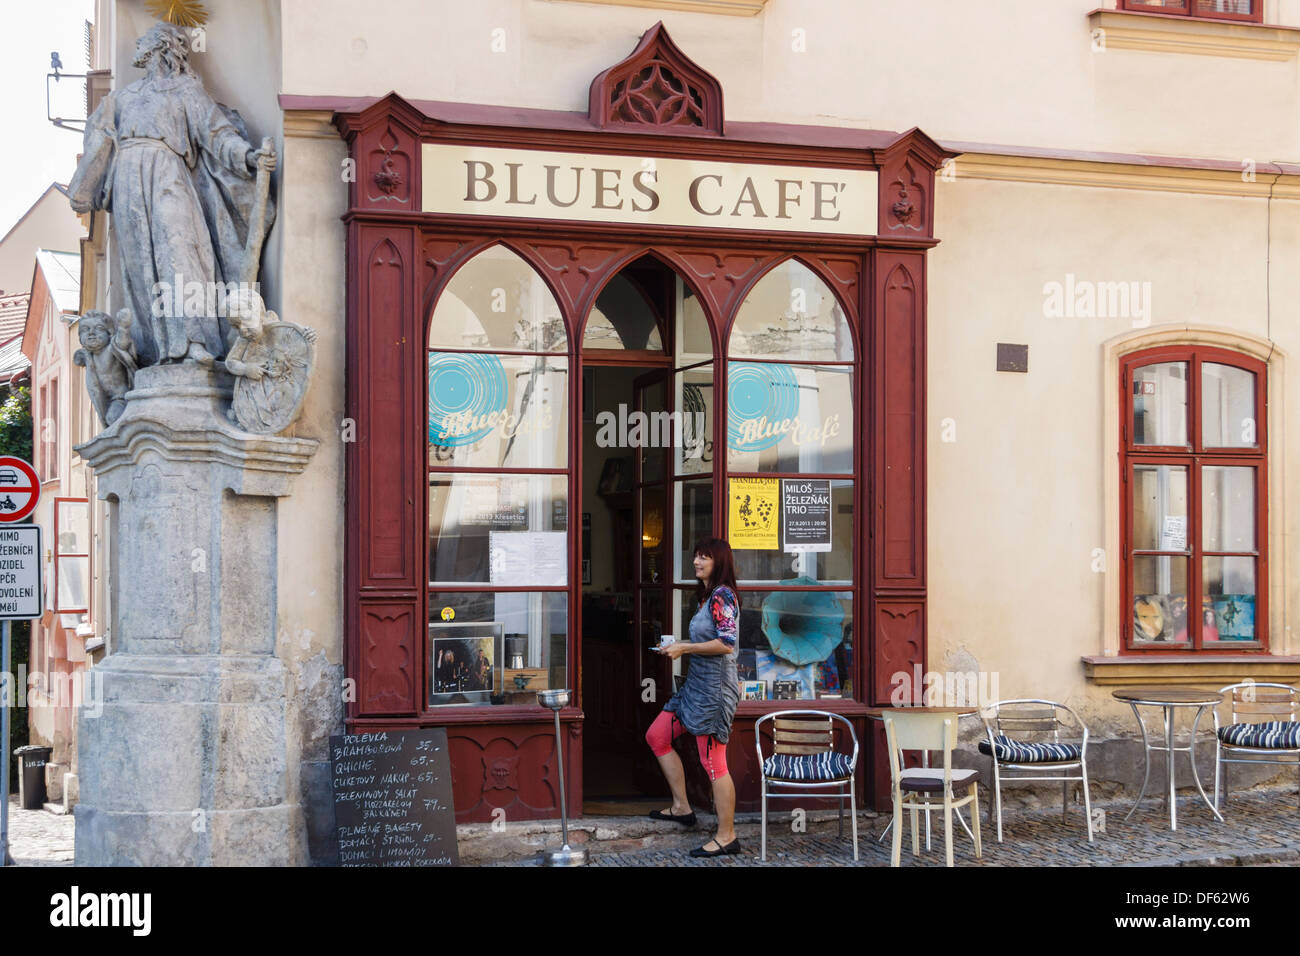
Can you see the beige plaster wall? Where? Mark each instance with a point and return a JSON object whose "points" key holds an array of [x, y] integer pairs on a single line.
{"points": [[1015, 72], [1017, 500], [49, 224]]}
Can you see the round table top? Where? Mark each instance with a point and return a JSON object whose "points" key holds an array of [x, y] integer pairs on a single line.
{"points": [[1171, 696], [878, 713]]}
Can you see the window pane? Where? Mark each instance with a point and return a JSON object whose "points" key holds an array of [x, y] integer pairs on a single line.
{"points": [[694, 454], [496, 647], [496, 301], [662, 432], [622, 319], [1228, 586], [1160, 404], [802, 639], [1159, 590], [1166, 6], [73, 575], [775, 564], [693, 341], [501, 529], [792, 314], [652, 534], [696, 517], [1159, 508], [498, 411], [74, 527], [1228, 508], [1210, 7], [1227, 407], [789, 418]]}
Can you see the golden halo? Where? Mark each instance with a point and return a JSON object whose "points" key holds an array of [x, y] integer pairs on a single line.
{"points": [[181, 13]]}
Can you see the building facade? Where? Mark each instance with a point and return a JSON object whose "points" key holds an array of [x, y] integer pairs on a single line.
{"points": [[1027, 368]]}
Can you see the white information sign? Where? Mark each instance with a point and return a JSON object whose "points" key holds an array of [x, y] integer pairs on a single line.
{"points": [[20, 572], [531, 558]]}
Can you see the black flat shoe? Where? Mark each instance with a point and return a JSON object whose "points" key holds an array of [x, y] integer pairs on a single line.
{"points": [[731, 849], [687, 821]]}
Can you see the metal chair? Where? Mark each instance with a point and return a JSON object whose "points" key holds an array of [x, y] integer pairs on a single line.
{"points": [[932, 731], [1262, 729], [1041, 760], [804, 758]]}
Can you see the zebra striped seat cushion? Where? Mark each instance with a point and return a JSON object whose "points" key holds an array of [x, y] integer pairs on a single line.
{"points": [[1272, 735], [827, 766], [1016, 751]]}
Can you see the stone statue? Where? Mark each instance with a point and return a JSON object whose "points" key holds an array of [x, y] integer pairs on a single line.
{"points": [[177, 172], [108, 355], [271, 361]]}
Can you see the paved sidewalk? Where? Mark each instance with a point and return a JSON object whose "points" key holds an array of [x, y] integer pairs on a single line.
{"points": [[1259, 828], [38, 837]]}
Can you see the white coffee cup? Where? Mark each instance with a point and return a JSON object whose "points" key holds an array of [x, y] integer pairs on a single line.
{"points": [[666, 639]]}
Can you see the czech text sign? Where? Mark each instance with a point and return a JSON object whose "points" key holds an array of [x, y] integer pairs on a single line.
{"points": [[20, 572]]}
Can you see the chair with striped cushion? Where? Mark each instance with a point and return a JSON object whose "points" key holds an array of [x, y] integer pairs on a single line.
{"points": [[1010, 724], [804, 757], [1263, 727]]}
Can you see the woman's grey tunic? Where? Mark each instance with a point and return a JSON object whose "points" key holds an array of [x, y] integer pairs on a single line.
{"points": [[706, 704]]}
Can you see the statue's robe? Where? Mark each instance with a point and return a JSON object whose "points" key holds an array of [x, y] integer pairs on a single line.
{"points": [[170, 165]]}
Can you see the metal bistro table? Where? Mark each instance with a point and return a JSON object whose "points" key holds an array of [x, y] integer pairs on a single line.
{"points": [[1170, 699], [878, 713]]}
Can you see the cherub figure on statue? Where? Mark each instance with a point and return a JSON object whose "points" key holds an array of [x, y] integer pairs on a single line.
{"points": [[108, 355], [271, 361]]}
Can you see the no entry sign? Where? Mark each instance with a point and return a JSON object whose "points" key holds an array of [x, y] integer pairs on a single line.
{"points": [[20, 490]]}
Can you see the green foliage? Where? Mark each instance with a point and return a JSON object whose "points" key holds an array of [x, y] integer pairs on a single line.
{"points": [[16, 424]]}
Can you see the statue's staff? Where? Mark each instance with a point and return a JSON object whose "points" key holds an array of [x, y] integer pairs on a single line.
{"points": [[257, 221]]}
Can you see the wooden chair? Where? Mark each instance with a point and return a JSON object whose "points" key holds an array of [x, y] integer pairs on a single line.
{"points": [[916, 789], [1263, 727], [804, 758]]}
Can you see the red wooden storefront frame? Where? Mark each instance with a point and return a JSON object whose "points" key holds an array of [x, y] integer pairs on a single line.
{"points": [[399, 259]]}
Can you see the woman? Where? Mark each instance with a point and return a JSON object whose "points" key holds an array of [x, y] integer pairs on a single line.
{"points": [[706, 704]]}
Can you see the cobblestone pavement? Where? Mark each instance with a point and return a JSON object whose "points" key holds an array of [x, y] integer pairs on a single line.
{"points": [[39, 838], [1259, 828]]}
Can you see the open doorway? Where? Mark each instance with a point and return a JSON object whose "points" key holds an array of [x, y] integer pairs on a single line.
{"points": [[627, 532]]}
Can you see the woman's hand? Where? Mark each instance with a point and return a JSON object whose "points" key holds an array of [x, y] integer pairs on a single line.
{"points": [[674, 650]]}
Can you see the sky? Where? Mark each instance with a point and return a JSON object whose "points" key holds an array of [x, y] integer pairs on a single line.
{"points": [[37, 153]]}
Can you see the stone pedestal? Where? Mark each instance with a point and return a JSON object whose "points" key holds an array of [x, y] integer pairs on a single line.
{"points": [[187, 763]]}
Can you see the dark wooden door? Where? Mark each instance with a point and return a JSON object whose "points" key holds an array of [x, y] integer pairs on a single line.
{"points": [[651, 580]]}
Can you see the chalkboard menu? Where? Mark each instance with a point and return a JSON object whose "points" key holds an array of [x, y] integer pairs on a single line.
{"points": [[392, 799]]}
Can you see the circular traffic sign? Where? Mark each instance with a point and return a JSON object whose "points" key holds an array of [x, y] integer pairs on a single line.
{"points": [[20, 489]]}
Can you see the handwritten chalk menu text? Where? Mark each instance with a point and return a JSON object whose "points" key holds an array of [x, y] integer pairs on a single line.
{"points": [[392, 799]]}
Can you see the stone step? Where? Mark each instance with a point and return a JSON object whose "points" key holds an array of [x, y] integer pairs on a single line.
{"points": [[480, 843]]}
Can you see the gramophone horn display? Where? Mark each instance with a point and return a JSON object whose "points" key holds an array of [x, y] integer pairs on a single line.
{"points": [[803, 627]]}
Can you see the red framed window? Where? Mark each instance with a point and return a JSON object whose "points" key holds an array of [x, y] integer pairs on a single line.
{"points": [[1248, 11], [71, 556], [1194, 487]]}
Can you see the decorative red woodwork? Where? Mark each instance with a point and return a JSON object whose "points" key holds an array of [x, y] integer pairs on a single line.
{"points": [[399, 260], [900, 418], [512, 767], [659, 89], [907, 169], [389, 681]]}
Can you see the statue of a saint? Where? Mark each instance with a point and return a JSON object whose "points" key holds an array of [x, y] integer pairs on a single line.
{"points": [[177, 172]]}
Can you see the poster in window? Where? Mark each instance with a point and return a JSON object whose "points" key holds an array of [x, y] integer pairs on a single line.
{"points": [[1234, 616], [465, 662], [806, 514], [754, 522], [1152, 619]]}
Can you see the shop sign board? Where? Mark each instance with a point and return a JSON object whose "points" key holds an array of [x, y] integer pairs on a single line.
{"points": [[647, 190]]}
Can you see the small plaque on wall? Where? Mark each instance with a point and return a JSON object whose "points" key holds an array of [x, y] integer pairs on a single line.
{"points": [[1013, 358]]}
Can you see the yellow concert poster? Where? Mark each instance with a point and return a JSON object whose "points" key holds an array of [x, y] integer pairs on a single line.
{"points": [[754, 522]]}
